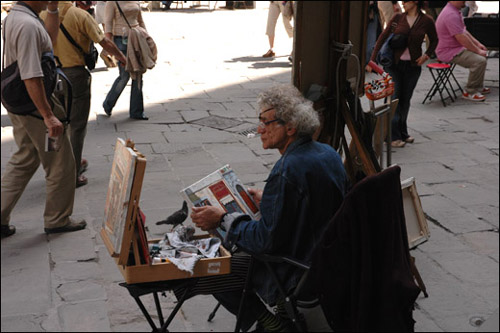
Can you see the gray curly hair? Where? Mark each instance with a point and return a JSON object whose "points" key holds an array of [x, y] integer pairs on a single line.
{"points": [[291, 107]]}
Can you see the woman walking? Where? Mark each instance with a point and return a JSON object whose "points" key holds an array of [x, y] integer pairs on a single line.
{"points": [[119, 18], [405, 70]]}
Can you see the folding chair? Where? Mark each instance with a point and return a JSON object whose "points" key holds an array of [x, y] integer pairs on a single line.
{"points": [[292, 299], [441, 74], [363, 266], [384, 225]]}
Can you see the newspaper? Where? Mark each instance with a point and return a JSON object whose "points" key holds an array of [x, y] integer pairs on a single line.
{"points": [[223, 189]]}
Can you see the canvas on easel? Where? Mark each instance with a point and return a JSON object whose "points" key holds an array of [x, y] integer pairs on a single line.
{"points": [[416, 224], [122, 200]]}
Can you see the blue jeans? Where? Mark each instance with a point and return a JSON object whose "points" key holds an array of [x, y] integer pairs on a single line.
{"points": [[371, 36], [136, 109], [405, 77]]}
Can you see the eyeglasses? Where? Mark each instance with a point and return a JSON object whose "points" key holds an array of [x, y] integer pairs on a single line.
{"points": [[263, 124]]}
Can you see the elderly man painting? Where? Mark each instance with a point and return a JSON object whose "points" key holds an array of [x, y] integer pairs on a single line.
{"points": [[302, 193]]}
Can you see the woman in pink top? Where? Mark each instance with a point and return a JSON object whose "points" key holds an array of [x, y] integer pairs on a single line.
{"points": [[119, 17], [405, 70]]}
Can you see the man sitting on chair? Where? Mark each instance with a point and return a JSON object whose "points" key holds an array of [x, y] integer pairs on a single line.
{"points": [[458, 46], [302, 193]]}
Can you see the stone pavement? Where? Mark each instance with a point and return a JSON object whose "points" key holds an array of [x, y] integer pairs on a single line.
{"points": [[199, 97]]}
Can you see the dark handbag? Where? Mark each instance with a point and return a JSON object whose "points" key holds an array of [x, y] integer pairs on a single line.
{"points": [[398, 41], [385, 56], [15, 97], [90, 57]]}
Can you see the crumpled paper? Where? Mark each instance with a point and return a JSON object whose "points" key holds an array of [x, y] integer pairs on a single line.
{"points": [[184, 252]]}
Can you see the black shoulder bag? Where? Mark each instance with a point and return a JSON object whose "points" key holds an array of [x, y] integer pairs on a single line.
{"points": [[400, 41], [15, 96], [90, 57]]}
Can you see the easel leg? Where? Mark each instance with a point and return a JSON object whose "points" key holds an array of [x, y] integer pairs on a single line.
{"points": [[417, 276], [175, 310], [146, 314], [158, 308]]}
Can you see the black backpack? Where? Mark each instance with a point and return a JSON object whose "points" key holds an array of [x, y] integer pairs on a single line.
{"points": [[15, 97]]}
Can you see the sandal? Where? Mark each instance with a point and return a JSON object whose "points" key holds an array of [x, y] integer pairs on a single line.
{"points": [[398, 144], [410, 139]]}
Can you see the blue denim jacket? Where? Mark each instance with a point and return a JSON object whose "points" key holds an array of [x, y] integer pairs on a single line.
{"points": [[302, 193]]}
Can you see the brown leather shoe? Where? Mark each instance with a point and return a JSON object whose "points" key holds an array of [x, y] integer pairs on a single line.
{"points": [[269, 54], [81, 180], [73, 225], [7, 230]]}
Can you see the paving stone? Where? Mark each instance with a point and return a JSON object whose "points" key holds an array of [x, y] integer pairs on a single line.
{"points": [[75, 271], [453, 315], [464, 193], [194, 137], [88, 316], [22, 323], [430, 173], [451, 215], [81, 291], [217, 122], [487, 213], [24, 258], [157, 163], [73, 246], [194, 115]]}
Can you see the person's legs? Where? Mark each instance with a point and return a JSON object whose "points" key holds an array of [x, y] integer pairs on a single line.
{"points": [[136, 100], [397, 77], [120, 82], [60, 175], [19, 169], [272, 18], [271, 42], [59, 169], [386, 11], [371, 36], [286, 21], [477, 67], [80, 79], [412, 74]]}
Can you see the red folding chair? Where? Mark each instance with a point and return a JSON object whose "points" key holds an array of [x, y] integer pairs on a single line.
{"points": [[442, 73]]}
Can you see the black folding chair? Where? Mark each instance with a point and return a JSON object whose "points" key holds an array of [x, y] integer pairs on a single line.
{"points": [[442, 73], [292, 300]]}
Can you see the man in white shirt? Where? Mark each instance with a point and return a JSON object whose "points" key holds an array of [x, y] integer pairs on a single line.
{"points": [[26, 38]]}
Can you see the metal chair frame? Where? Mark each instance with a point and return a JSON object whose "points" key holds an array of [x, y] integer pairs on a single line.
{"points": [[441, 78]]}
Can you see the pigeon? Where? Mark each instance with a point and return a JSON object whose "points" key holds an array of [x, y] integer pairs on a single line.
{"points": [[176, 218]]}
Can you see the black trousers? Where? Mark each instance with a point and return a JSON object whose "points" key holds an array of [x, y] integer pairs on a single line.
{"points": [[227, 289], [405, 77]]}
